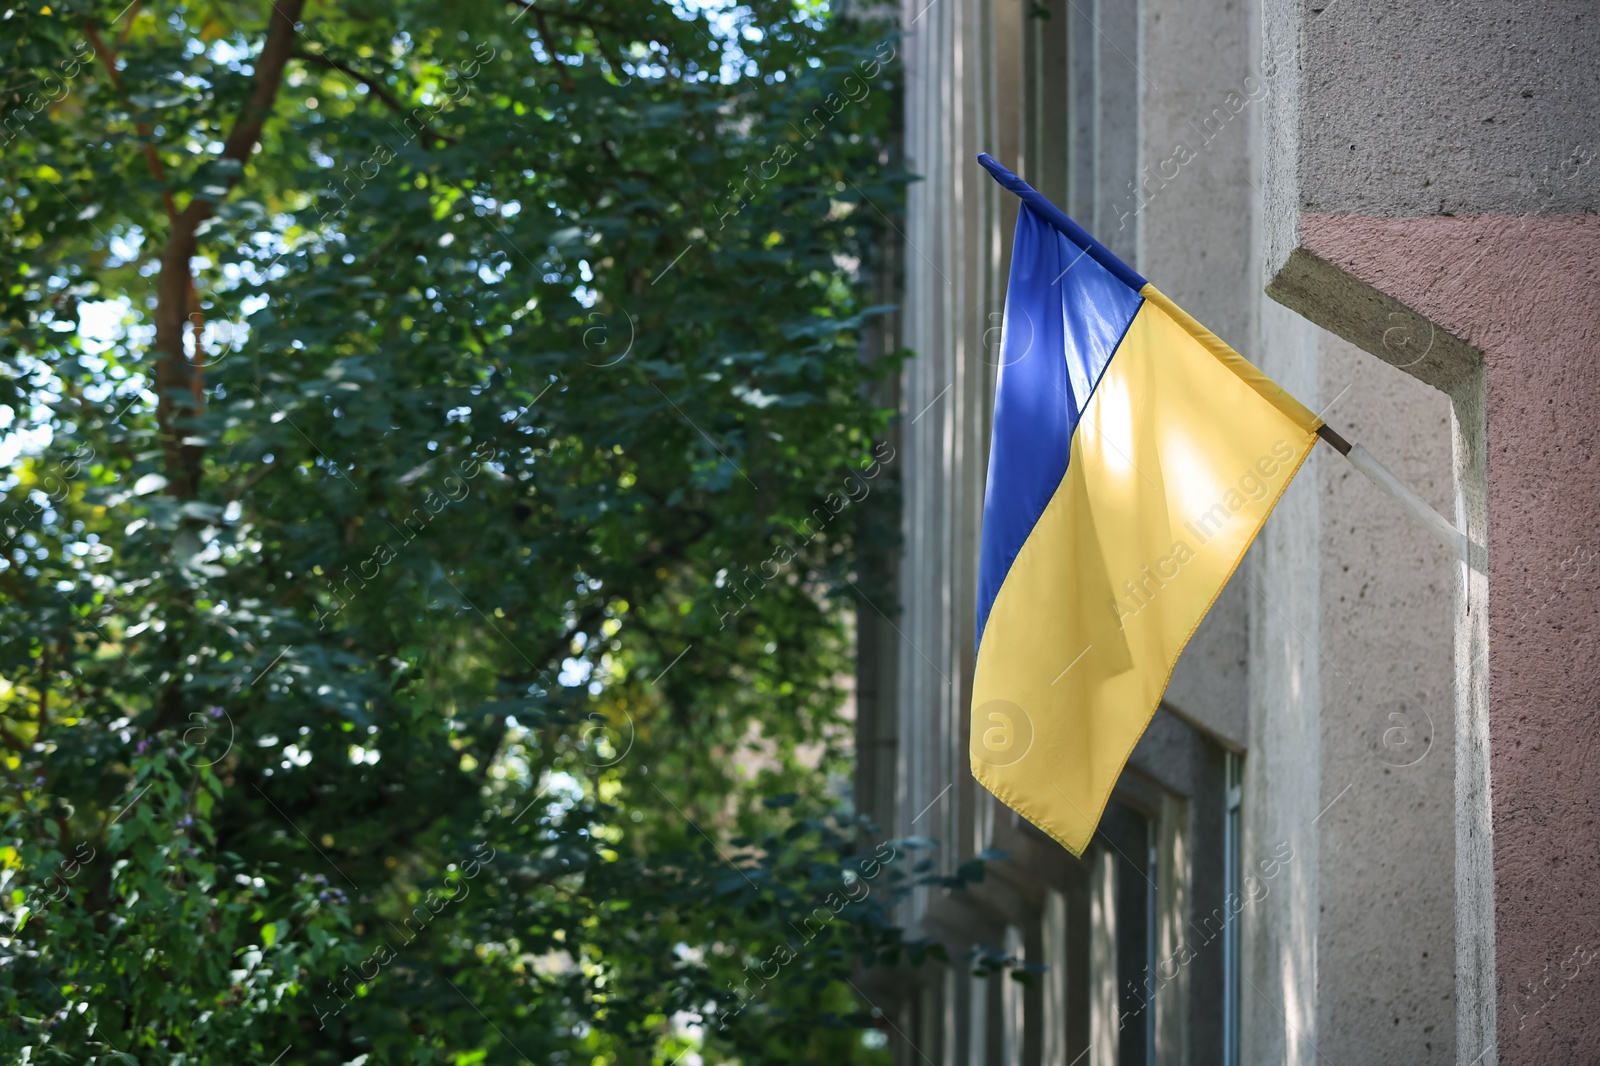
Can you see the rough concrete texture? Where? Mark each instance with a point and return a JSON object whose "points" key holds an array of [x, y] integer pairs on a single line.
{"points": [[1208, 686], [1193, 227], [1426, 176], [1282, 773], [1526, 293], [1475, 969], [1458, 108], [1386, 947], [1194, 208], [1374, 321]]}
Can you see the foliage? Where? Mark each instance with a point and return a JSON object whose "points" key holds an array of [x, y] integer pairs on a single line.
{"points": [[440, 432]]}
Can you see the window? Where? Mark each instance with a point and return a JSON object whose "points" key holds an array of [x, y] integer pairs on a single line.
{"points": [[1230, 941], [1124, 921]]}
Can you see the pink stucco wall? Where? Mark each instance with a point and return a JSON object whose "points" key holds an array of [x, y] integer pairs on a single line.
{"points": [[1525, 291]]}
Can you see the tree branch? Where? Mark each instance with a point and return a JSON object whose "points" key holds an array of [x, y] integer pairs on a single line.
{"points": [[550, 46], [595, 25], [251, 481], [375, 86], [590, 616], [173, 372], [572, 16], [151, 157], [133, 16], [44, 693], [669, 552]]}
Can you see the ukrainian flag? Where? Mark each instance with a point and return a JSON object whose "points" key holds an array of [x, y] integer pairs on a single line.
{"points": [[1134, 458]]}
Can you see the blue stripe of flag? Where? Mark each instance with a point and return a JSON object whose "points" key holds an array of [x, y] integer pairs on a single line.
{"points": [[1066, 313]]}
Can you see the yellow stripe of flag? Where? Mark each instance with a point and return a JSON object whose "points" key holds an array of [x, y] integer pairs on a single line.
{"points": [[1135, 458]]}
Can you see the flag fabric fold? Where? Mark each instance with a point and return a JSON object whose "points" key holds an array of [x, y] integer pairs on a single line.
{"points": [[1134, 457]]}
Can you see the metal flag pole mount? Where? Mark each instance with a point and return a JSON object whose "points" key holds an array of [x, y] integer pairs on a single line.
{"points": [[1443, 530]]}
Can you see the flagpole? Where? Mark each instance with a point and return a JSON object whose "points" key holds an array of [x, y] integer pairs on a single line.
{"points": [[1441, 528]]}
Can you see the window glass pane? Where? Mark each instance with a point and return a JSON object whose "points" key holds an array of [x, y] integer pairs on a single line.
{"points": [[1128, 833], [1230, 957]]}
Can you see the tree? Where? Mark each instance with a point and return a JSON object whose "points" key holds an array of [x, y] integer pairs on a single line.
{"points": [[441, 431]]}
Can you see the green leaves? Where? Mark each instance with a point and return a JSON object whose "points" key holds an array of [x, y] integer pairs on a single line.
{"points": [[460, 511]]}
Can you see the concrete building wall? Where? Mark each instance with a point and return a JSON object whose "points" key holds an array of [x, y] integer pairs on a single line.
{"points": [[963, 95], [1332, 156], [1193, 235], [1283, 766], [1386, 937], [1433, 201], [957, 235]]}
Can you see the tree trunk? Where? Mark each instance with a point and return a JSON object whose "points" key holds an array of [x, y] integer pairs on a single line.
{"points": [[180, 380]]}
